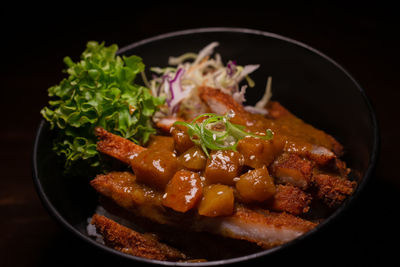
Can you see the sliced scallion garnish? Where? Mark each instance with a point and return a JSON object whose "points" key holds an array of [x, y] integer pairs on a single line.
{"points": [[216, 132]]}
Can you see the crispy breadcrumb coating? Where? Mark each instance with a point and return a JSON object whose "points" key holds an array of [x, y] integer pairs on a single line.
{"points": [[131, 242], [333, 190]]}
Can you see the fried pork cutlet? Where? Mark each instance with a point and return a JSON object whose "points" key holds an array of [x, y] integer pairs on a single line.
{"points": [[305, 146], [301, 137], [131, 242], [165, 124], [124, 190], [279, 113], [291, 199], [333, 190], [221, 103], [116, 146], [289, 169], [267, 229]]}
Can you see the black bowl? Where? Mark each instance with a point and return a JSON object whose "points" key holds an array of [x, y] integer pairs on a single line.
{"points": [[307, 82]]}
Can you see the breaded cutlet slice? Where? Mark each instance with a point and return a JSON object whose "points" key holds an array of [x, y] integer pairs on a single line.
{"points": [[131, 242]]}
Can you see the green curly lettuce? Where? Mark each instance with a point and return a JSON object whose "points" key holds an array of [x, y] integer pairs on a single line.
{"points": [[99, 91]]}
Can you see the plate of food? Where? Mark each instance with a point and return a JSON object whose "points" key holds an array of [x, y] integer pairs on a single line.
{"points": [[203, 147]]}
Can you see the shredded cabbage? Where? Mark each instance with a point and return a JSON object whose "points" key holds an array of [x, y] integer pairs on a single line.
{"points": [[179, 82]]}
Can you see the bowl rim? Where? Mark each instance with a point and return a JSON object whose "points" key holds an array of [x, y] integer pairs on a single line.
{"points": [[334, 216]]}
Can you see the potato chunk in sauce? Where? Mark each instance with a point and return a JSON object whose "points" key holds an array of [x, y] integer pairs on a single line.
{"points": [[183, 191], [258, 152], [193, 159], [223, 166], [256, 186], [155, 167], [161, 143], [181, 138], [218, 200], [181, 171]]}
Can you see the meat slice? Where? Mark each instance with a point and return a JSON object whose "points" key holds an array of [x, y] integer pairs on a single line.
{"points": [[258, 152], [116, 146], [290, 199], [332, 189], [131, 242], [221, 103], [297, 128], [291, 169], [319, 154], [154, 166], [302, 138], [276, 110], [266, 229], [166, 123], [126, 192]]}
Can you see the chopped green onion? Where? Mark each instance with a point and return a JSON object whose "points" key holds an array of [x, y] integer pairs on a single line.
{"points": [[216, 132]]}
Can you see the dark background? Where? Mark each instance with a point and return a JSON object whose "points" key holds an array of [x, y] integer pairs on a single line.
{"points": [[364, 38]]}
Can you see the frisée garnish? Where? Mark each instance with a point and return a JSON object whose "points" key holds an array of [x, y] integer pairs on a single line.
{"points": [[99, 91]]}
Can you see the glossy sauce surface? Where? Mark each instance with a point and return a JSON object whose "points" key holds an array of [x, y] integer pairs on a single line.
{"points": [[155, 167], [223, 166], [183, 191], [188, 179]]}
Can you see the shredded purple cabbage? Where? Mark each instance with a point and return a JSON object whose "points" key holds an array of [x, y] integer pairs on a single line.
{"points": [[231, 68], [175, 87]]}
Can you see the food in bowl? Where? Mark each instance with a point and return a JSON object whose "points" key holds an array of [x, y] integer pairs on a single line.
{"points": [[208, 163]]}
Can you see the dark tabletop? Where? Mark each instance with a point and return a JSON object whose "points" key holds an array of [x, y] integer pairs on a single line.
{"points": [[364, 38]]}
